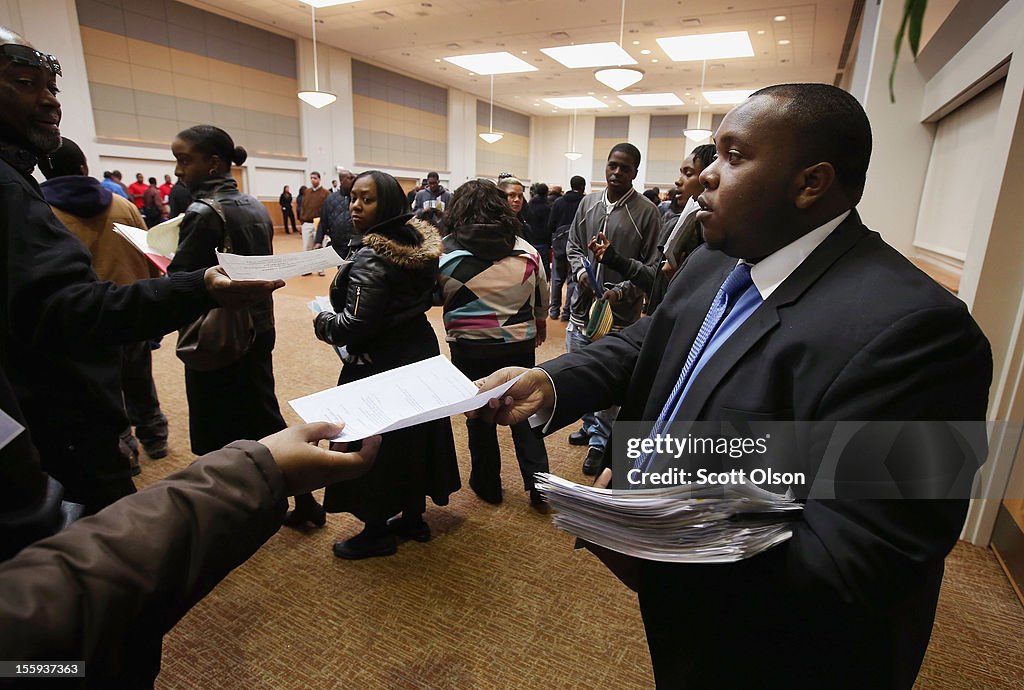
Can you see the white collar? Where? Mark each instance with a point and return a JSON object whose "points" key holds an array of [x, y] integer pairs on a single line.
{"points": [[316, 189], [770, 272], [622, 199]]}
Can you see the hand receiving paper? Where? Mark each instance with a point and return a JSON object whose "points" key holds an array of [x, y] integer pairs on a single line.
{"points": [[307, 467]]}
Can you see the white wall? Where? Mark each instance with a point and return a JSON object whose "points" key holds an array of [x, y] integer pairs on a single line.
{"points": [[550, 138]]}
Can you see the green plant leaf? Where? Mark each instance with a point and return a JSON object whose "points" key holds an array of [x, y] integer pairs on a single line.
{"points": [[913, 18], [914, 27]]}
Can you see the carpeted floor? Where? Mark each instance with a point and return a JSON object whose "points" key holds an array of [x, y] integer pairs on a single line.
{"points": [[498, 599]]}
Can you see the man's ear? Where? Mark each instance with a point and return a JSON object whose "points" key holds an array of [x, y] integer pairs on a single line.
{"points": [[812, 183]]}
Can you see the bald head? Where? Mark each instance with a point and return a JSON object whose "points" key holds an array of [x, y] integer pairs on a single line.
{"points": [[12, 37]]}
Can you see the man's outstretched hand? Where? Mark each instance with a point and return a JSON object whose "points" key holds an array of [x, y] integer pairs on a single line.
{"points": [[236, 294], [529, 394], [307, 467]]}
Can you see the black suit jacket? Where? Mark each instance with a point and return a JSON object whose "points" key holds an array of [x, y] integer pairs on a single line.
{"points": [[855, 333]]}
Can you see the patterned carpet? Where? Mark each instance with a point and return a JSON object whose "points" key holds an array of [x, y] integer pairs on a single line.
{"points": [[498, 599]]}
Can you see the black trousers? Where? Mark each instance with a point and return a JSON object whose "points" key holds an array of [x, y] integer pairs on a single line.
{"points": [[479, 361], [288, 215], [140, 397]]}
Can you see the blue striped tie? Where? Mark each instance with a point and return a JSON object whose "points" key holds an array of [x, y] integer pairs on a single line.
{"points": [[736, 283]]}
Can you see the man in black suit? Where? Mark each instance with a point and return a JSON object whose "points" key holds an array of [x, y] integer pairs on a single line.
{"points": [[836, 326]]}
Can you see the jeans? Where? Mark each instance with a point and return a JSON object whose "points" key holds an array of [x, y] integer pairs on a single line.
{"points": [[559, 275], [597, 424], [308, 235]]}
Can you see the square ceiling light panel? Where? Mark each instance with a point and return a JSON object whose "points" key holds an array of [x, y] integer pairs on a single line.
{"points": [[733, 44], [327, 3], [727, 97], [570, 102], [590, 55], [491, 63], [641, 100]]}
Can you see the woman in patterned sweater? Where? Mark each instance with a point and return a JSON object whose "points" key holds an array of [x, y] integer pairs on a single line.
{"points": [[495, 302]]}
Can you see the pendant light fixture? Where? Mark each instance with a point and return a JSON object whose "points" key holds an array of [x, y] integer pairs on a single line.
{"points": [[490, 136], [316, 97], [619, 77], [573, 154], [699, 134]]}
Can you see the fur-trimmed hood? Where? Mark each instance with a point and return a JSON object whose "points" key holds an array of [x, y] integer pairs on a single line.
{"points": [[405, 241]]}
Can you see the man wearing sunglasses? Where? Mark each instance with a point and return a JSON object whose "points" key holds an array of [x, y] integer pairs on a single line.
{"points": [[59, 326]]}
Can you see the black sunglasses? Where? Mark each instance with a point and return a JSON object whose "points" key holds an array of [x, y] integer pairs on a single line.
{"points": [[30, 57]]}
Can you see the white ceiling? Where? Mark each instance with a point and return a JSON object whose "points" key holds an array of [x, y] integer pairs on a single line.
{"points": [[421, 32]]}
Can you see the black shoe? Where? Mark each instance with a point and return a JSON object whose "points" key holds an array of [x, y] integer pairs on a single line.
{"points": [[417, 530], [565, 317], [370, 543], [313, 513], [490, 496], [593, 462], [155, 450], [538, 503], [579, 438]]}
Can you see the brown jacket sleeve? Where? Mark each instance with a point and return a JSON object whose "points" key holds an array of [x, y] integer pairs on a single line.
{"points": [[114, 583]]}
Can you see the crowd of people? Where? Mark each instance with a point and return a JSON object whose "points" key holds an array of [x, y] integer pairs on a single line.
{"points": [[838, 326]]}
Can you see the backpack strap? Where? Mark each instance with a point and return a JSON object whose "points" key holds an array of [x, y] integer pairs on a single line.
{"points": [[204, 208]]}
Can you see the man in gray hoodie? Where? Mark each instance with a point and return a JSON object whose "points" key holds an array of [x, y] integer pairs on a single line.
{"points": [[631, 224]]}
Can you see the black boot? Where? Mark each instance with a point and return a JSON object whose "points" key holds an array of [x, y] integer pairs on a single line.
{"points": [[307, 510], [374, 540]]}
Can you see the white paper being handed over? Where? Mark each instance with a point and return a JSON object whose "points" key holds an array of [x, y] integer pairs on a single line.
{"points": [[396, 399], [278, 266]]}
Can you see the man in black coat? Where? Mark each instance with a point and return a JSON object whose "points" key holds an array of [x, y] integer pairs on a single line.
{"points": [[59, 326], [563, 210], [836, 325]]}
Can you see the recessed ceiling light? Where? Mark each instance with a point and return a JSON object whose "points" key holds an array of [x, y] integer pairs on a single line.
{"points": [[784, 42], [437, 59], [779, 18], [727, 97], [491, 63], [654, 60], [761, 32], [328, 3], [641, 100], [636, 43], [569, 102], [590, 55], [645, 52], [523, 52], [732, 44], [590, 93]]}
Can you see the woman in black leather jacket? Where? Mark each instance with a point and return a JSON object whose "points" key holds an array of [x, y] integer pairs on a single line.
{"points": [[238, 400], [380, 301]]}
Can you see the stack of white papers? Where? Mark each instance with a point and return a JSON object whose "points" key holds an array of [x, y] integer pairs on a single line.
{"points": [[396, 399], [680, 524]]}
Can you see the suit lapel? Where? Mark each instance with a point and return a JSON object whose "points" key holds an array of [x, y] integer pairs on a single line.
{"points": [[766, 317]]}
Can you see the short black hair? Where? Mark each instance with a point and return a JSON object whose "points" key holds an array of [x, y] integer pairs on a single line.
{"points": [[831, 126], [67, 160], [628, 149], [541, 189], [434, 175], [314, 173], [391, 198], [577, 183], [106, 174], [152, 180], [704, 154], [116, 173]]}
